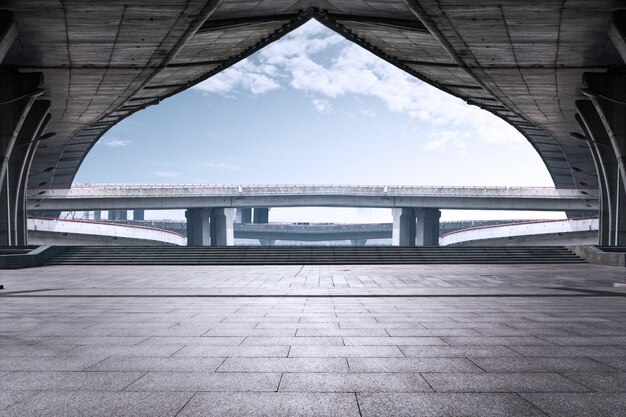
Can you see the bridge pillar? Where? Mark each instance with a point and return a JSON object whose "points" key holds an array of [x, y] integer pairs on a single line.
{"points": [[198, 226], [97, 215], [608, 94], [358, 242], [139, 214], [403, 233], [246, 215], [427, 227], [267, 242], [17, 95], [221, 227], [261, 215]]}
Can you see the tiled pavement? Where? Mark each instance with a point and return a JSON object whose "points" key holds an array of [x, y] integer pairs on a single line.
{"points": [[272, 341]]}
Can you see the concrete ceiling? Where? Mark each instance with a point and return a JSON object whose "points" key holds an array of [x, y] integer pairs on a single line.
{"points": [[521, 60]]}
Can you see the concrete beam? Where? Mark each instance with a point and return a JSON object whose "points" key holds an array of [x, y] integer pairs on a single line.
{"points": [[8, 32], [617, 32]]}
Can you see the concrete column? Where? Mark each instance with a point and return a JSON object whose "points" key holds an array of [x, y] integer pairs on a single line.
{"points": [[198, 226], [221, 227], [427, 227], [97, 215], [261, 215], [138, 214], [5, 214], [25, 88], [403, 233], [358, 242], [19, 167], [612, 113], [606, 167], [267, 242], [244, 215]]}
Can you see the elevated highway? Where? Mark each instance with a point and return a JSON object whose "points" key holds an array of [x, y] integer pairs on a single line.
{"points": [[156, 197], [210, 208]]}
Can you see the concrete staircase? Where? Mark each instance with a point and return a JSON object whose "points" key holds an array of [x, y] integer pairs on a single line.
{"points": [[299, 255]]}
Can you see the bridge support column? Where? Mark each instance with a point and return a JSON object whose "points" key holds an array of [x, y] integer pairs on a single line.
{"points": [[243, 215], [267, 242], [261, 215], [358, 242], [139, 214], [612, 113], [427, 227], [403, 233], [198, 226], [221, 227], [17, 93], [97, 215]]}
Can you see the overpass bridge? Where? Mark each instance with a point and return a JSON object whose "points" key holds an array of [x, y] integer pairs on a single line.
{"points": [[210, 214]]}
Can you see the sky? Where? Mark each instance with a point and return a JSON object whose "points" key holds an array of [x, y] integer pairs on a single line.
{"points": [[314, 108]]}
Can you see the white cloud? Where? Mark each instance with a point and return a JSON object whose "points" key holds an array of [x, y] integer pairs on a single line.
{"points": [[167, 174], [322, 106], [221, 166], [115, 142], [298, 60]]}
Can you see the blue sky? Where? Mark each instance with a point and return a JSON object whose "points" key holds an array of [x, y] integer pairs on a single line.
{"points": [[313, 108]]}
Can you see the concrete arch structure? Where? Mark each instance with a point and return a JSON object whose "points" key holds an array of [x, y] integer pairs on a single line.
{"points": [[528, 64]]}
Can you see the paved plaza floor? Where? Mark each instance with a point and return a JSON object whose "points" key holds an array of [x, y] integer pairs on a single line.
{"points": [[405, 340]]}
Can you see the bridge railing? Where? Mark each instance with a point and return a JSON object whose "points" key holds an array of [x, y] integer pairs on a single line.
{"points": [[146, 190]]}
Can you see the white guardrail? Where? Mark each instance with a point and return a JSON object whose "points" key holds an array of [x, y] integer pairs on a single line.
{"points": [[520, 229], [95, 228]]}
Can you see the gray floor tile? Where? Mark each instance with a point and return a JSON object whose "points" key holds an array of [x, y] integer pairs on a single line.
{"points": [[47, 363], [617, 362], [570, 350], [393, 341], [560, 364], [354, 382], [67, 381], [8, 398], [341, 332], [100, 404], [495, 340], [192, 341], [587, 340], [601, 381], [345, 352], [579, 404], [277, 404], [235, 351], [182, 364], [284, 365], [93, 340], [458, 351], [449, 405], [201, 381], [321, 341], [133, 351], [501, 382], [412, 365]]}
